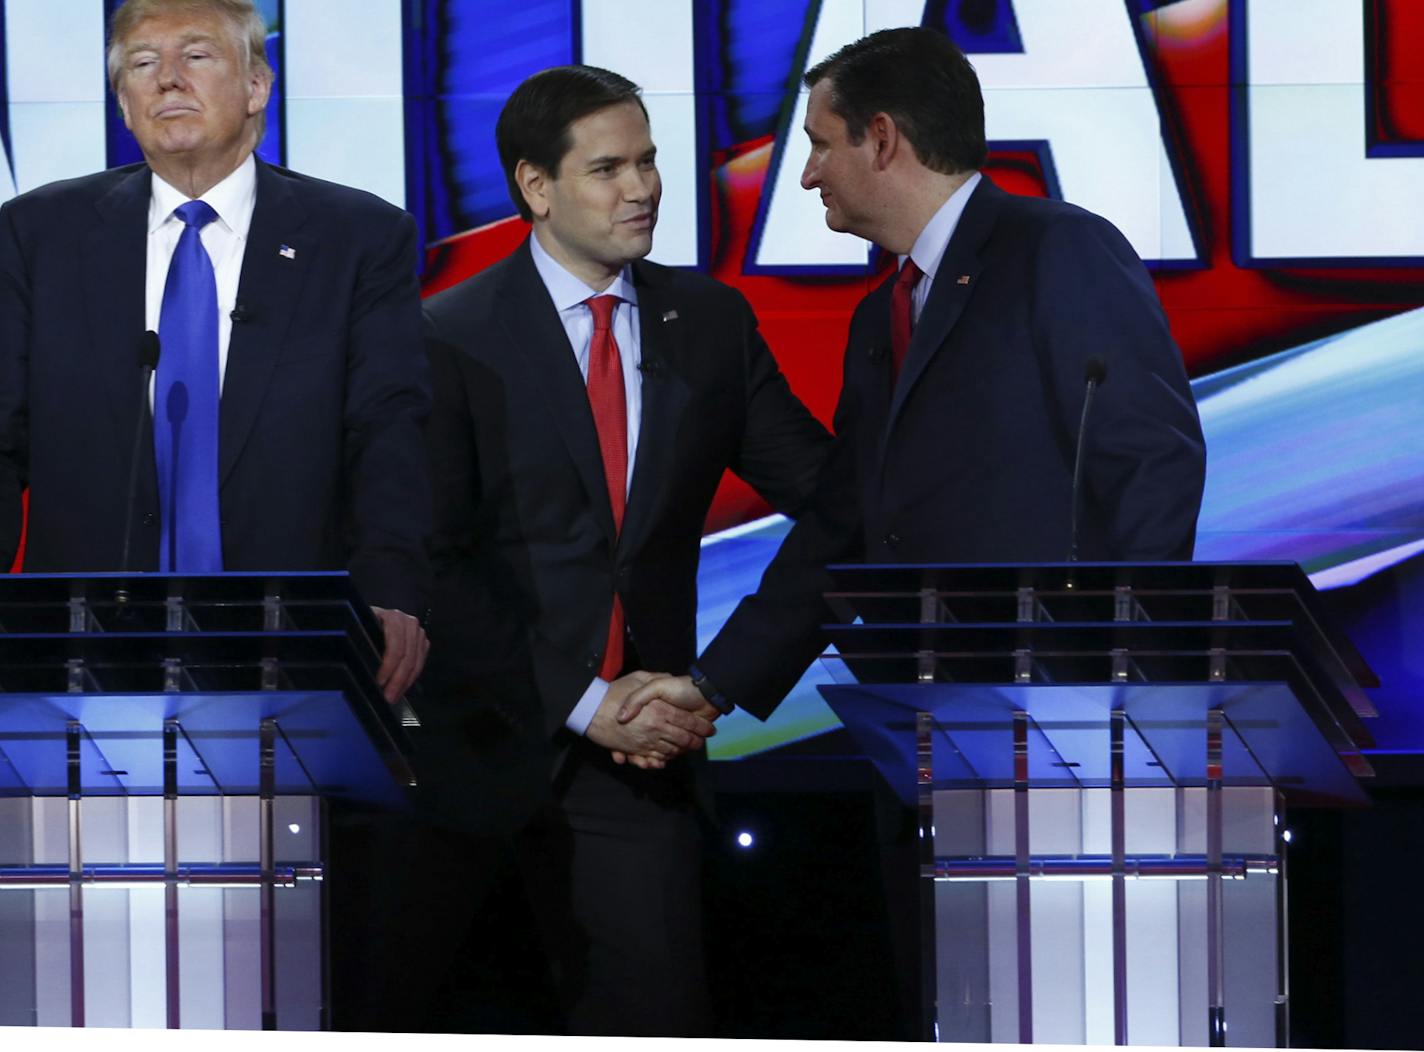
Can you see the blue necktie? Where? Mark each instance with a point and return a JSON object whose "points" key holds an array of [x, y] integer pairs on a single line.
{"points": [[185, 404]]}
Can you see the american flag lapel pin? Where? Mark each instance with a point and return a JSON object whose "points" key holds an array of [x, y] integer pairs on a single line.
{"points": [[669, 315], [963, 279], [287, 252]]}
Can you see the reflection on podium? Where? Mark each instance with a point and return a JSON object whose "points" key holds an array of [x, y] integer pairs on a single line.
{"points": [[1100, 755], [166, 746]]}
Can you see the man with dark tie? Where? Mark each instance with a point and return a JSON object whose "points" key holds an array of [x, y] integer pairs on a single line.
{"points": [[963, 390], [586, 406], [285, 430], [964, 372]]}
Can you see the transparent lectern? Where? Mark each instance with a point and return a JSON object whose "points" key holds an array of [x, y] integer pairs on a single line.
{"points": [[166, 745], [1100, 755]]}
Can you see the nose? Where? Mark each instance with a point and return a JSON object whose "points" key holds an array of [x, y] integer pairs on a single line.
{"points": [[810, 175], [170, 73], [639, 183]]}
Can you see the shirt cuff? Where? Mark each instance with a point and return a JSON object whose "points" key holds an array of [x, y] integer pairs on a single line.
{"points": [[582, 716]]}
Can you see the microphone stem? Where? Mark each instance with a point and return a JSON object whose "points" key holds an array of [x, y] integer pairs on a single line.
{"points": [[133, 470], [1078, 468]]}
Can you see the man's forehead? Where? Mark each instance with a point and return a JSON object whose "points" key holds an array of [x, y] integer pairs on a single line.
{"points": [[189, 28], [602, 127], [822, 120]]}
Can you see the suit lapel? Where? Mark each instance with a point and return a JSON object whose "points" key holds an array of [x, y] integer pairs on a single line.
{"points": [[537, 338], [114, 271], [955, 281], [662, 332], [269, 289]]}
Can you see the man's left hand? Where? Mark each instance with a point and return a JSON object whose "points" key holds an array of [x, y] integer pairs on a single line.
{"points": [[405, 651]]}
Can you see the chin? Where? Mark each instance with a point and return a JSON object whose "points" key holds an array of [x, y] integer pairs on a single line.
{"points": [[639, 247]]}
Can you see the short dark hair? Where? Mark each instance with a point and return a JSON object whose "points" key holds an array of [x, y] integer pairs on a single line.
{"points": [[920, 79], [534, 124]]}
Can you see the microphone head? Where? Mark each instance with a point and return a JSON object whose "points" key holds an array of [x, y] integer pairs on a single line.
{"points": [[1095, 370], [148, 350]]}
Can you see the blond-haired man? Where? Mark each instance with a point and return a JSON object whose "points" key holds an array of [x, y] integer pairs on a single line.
{"points": [[283, 430]]}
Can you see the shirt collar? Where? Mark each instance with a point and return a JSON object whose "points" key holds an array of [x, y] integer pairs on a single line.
{"points": [[568, 291], [929, 247], [233, 199]]}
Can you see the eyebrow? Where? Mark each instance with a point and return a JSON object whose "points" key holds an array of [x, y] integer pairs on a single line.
{"points": [[183, 41]]}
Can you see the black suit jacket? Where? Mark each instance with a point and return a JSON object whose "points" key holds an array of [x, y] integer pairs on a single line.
{"points": [[524, 551], [322, 461], [969, 458]]}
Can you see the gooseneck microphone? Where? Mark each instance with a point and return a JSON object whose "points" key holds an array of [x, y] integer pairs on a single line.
{"points": [[1095, 372], [148, 351]]}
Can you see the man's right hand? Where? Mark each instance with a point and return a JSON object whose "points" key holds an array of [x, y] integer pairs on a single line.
{"points": [[659, 733], [673, 690]]}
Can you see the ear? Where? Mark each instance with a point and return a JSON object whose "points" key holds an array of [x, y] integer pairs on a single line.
{"points": [[885, 140], [123, 98], [533, 183], [259, 90]]}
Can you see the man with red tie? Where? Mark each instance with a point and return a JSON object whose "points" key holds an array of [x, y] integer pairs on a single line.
{"points": [[964, 387], [587, 404], [964, 372]]}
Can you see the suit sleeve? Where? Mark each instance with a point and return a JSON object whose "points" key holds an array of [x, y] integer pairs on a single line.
{"points": [[775, 633], [14, 385], [1144, 455], [783, 446], [480, 628], [387, 400], [481, 750]]}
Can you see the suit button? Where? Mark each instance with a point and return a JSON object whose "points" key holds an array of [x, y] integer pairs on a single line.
{"points": [[150, 519], [892, 540]]}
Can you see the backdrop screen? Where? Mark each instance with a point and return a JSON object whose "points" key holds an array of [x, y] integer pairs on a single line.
{"points": [[1264, 157]]}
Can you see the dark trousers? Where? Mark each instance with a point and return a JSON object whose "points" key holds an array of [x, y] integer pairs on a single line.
{"points": [[613, 867], [426, 932], [437, 930]]}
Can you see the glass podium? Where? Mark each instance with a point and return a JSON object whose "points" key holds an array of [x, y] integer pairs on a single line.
{"points": [[166, 747], [1100, 755]]}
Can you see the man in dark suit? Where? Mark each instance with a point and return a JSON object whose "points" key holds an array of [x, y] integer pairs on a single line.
{"points": [[291, 371], [964, 372], [586, 406], [963, 390]]}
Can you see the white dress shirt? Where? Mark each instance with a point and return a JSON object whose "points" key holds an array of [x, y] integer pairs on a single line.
{"points": [[225, 238], [929, 247], [570, 295]]}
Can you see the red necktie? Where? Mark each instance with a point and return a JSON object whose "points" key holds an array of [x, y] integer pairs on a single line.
{"points": [[610, 418], [902, 314]]}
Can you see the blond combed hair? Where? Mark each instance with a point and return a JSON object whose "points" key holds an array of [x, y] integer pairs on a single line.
{"points": [[249, 32]]}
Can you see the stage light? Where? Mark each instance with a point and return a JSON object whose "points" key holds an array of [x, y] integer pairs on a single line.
{"points": [[745, 839]]}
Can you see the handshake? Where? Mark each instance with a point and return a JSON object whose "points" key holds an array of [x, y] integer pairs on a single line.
{"points": [[650, 718]]}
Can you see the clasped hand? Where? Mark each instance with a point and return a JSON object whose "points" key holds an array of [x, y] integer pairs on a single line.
{"points": [[650, 718]]}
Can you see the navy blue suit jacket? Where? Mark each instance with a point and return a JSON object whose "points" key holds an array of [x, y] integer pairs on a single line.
{"points": [[969, 458], [526, 555], [525, 552], [322, 457]]}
